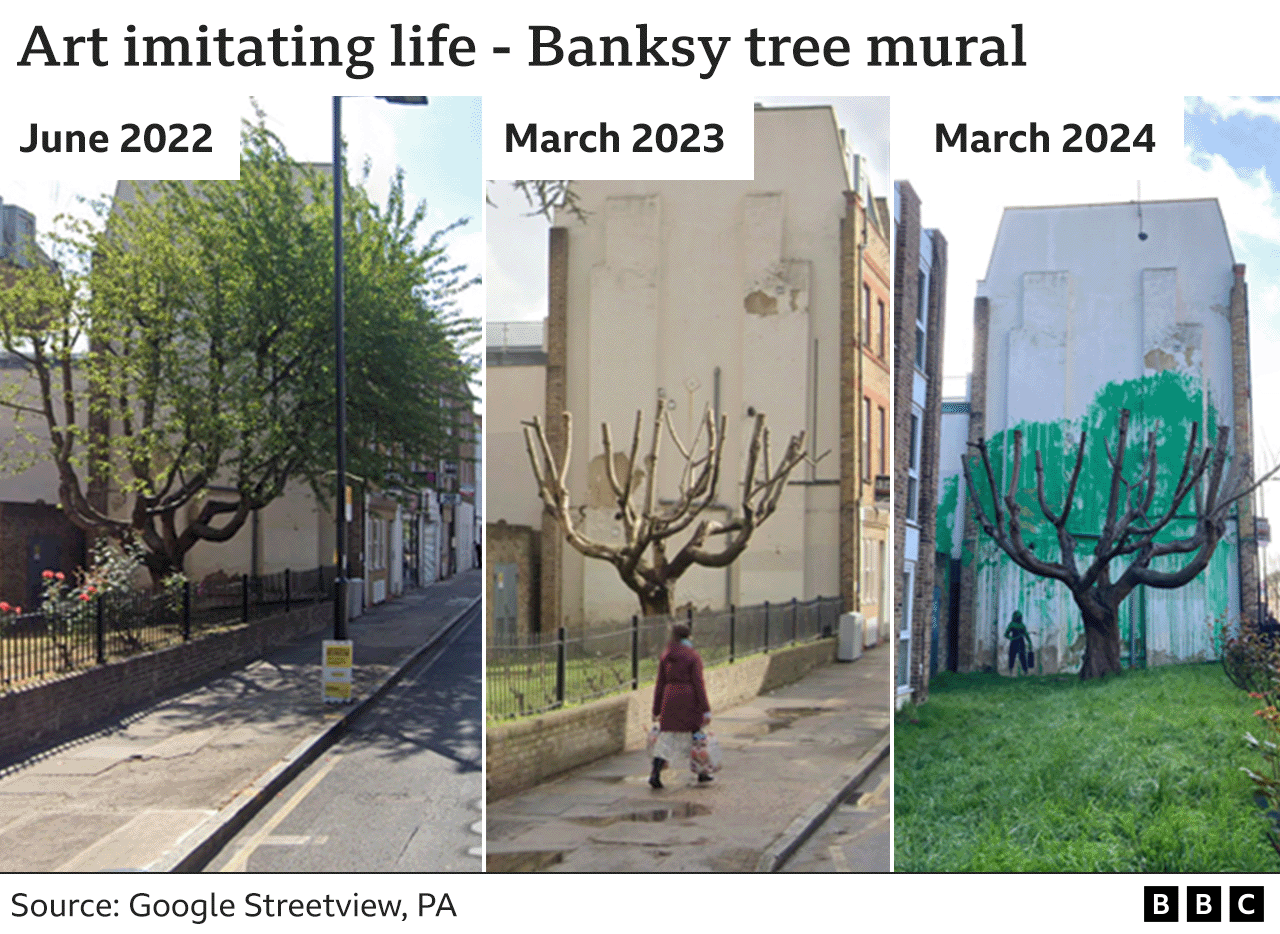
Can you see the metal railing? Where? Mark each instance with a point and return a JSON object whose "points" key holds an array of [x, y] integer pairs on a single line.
{"points": [[41, 646], [529, 678]]}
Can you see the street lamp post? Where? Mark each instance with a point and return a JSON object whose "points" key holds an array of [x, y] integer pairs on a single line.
{"points": [[340, 601], [340, 380]]}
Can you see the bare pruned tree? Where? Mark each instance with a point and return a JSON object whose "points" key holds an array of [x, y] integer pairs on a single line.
{"points": [[1129, 532], [647, 524]]}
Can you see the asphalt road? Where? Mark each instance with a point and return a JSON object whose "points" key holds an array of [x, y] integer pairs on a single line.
{"points": [[401, 792], [855, 838]]}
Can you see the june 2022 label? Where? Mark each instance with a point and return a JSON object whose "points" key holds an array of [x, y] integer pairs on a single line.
{"points": [[133, 137]]}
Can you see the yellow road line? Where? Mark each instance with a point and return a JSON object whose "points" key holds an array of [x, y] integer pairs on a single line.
{"points": [[241, 859]]}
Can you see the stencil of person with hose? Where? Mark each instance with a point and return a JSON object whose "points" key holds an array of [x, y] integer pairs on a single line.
{"points": [[1019, 644]]}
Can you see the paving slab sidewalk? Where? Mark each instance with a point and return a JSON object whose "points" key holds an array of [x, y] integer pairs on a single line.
{"points": [[159, 788], [790, 756]]}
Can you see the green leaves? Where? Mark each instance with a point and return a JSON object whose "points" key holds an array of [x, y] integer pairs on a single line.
{"points": [[185, 340]]}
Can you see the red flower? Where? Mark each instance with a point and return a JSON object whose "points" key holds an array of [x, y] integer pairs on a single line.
{"points": [[85, 597], [17, 611], [5, 608], [93, 589], [60, 576], [47, 575]]}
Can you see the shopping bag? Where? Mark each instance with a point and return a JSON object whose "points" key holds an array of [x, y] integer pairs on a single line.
{"points": [[704, 754], [651, 740]]}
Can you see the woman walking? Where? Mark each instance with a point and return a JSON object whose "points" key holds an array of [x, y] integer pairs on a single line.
{"points": [[679, 703]]}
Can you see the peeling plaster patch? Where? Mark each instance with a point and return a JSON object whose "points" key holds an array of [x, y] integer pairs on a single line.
{"points": [[784, 283], [757, 303], [1183, 341]]}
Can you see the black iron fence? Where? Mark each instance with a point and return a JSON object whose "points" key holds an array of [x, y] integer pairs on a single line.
{"points": [[523, 679], [82, 633]]}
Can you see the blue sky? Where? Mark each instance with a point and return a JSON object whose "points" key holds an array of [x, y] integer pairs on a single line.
{"points": [[1232, 145]]}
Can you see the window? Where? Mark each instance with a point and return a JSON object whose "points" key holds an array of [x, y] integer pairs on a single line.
{"points": [[866, 438], [870, 571], [922, 285], [904, 635], [882, 327], [913, 470], [884, 442], [866, 306]]}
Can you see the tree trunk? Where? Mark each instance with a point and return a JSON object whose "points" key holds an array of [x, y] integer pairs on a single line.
{"points": [[656, 601], [1102, 636], [160, 566]]}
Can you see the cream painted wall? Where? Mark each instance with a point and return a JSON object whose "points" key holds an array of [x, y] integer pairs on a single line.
{"points": [[27, 475], [670, 280], [515, 394], [1075, 296]]}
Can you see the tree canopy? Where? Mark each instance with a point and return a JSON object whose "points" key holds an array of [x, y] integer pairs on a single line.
{"points": [[179, 352]]}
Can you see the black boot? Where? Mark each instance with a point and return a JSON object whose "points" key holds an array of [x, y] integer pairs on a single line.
{"points": [[655, 777]]}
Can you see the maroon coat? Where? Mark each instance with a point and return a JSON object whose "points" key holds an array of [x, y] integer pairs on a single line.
{"points": [[680, 697]]}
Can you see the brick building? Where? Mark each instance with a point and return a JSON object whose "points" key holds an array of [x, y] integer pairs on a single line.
{"points": [[868, 405], [515, 369], [919, 301]]}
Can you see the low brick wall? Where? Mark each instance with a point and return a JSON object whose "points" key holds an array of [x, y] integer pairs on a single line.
{"points": [[54, 710], [522, 754]]}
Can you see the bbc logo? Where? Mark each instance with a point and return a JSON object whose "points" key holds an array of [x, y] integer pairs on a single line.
{"points": [[1203, 903]]}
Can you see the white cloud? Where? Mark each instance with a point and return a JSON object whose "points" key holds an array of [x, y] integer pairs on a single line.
{"points": [[1223, 108], [1248, 197]]}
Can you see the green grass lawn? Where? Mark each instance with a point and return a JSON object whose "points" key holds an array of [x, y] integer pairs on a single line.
{"points": [[1136, 773]]}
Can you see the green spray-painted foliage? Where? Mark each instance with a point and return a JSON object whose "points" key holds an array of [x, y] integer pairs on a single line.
{"points": [[1163, 625], [1167, 403], [946, 525]]}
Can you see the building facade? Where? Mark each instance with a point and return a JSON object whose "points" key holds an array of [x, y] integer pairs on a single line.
{"points": [[1087, 310], [515, 386], [919, 295], [869, 406], [35, 534], [731, 297]]}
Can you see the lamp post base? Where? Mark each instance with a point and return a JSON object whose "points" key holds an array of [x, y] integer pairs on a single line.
{"points": [[340, 608]]}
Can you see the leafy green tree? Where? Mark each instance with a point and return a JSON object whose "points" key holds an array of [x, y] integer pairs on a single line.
{"points": [[179, 352]]}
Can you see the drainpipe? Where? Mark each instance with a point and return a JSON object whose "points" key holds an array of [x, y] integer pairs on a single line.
{"points": [[715, 414], [859, 425]]}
